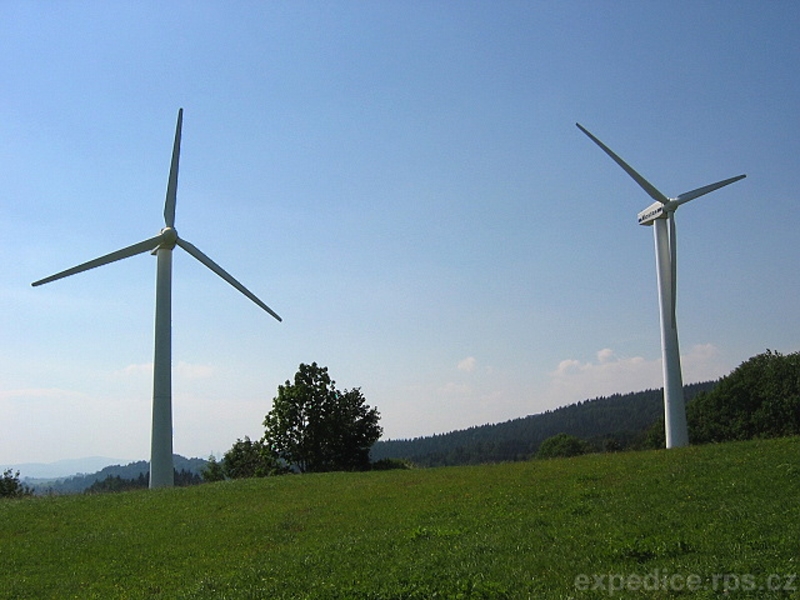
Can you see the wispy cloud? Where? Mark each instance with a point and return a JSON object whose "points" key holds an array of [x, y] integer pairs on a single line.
{"points": [[182, 370], [41, 394], [573, 380], [468, 364], [186, 370], [452, 389], [135, 370]]}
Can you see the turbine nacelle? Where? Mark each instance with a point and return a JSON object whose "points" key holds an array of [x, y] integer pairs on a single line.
{"points": [[656, 210], [661, 209]]}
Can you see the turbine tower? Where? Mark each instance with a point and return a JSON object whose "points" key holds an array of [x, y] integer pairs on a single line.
{"points": [[661, 215], [161, 468]]}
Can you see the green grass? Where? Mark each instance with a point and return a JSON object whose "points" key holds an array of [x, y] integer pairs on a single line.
{"points": [[721, 518]]}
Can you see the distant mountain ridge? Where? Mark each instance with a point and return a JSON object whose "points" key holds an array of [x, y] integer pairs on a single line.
{"points": [[616, 419], [79, 482], [64, 468]]}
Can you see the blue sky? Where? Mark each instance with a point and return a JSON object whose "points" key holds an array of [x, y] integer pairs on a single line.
{"points": [[403, 182]]}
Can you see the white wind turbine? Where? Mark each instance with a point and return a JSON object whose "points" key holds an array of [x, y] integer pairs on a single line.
{"points": [[161, 468], [661, 215]]}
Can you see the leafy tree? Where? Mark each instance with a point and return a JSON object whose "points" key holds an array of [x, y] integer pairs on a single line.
{"points": [[246, 458], [315, 427], [759, 399], [11, 487], [562, 445], [249, 459], [213, 470]]}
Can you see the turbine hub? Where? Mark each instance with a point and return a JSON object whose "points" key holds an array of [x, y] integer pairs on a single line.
{"points": [[169, 237]]}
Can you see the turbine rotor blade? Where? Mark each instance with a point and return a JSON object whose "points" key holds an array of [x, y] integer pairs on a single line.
{"points": [[643, 183], [686, 196], [194, 251], [145, 246], [673, 259], [172, 185]]}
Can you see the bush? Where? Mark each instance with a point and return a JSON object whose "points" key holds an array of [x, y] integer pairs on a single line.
{"points": [[562, 445], [390, 464], [759, 399], [246, 458], [11, 487]]}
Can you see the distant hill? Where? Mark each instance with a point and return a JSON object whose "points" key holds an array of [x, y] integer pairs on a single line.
{"points": [[80, 482], [614, 422], [63, 468], [611, 422]]}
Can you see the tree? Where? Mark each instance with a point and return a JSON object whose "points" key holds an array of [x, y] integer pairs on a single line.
{"points": [[249, 459], [562, 445], [246, 458], [213, 470], [11, 487], [315, 427], [758, 399]]}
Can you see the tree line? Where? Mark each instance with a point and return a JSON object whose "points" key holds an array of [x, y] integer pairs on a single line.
{"points": [[759, 399], [315, 427], [616, 422]]}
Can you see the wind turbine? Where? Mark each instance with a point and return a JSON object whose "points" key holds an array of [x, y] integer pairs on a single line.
{"points": [[661, 214], [161, 468]]}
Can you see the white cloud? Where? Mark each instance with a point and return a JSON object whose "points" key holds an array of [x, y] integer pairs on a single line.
{"points": [[468, 364], [183, 370], [41, 394], [186, 370], [135, 370], [703, 363], [573, 380], [455, 389], [605, 355]]}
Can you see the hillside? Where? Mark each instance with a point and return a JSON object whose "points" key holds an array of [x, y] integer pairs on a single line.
{"points": [[704, 521], [131, 471], [616, 420]]}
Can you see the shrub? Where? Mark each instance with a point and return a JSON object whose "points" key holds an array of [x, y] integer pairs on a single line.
{"points": [[759, 399], [11, 487], [562, 445]]}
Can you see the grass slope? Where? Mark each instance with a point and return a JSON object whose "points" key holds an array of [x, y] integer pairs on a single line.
{"points": [[713, 519]]}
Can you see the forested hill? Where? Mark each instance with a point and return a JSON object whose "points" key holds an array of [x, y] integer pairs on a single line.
{"points": [[614, 421], [131, 472]]}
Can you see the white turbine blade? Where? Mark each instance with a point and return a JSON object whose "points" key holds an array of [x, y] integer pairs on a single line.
{"points": [[194, 251], [172, 185], [673, 259], [643, 183], [686, 196], [145, 246]]}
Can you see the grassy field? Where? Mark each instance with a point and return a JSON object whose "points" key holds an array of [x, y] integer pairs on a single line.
{"points": [[701, 522]]}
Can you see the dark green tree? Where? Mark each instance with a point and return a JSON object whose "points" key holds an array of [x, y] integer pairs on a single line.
{"points": [[11, 487], [246, 458], [314, 427], [213, 470], [759, 399], [562, 445], [249, 459]]}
